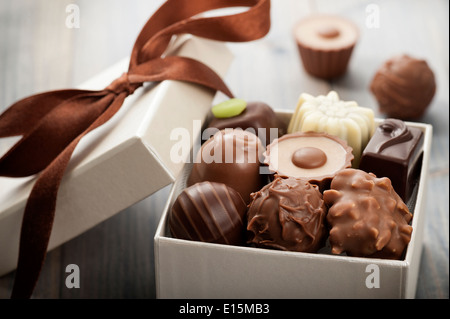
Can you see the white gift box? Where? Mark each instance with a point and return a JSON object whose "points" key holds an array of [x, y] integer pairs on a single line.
{"points": [[191, 269], [122, 162]]}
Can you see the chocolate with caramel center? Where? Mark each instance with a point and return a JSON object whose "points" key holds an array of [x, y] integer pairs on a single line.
{"points": [[315, 157], [309, 157]]}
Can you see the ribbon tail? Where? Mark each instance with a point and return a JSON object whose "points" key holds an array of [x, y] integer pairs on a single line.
{"points": [[37, 225], [52, 132], [25, 114], [40, 210]]}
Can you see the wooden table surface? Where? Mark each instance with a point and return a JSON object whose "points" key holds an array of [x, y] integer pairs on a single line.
{"points": [[39, 52]]}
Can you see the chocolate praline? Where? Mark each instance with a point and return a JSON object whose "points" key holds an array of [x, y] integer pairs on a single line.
{"points": [[325, 44], [232, 157], [366, 215], [395, 151], [287, 214], [328, 113], [258, 117], [404, 87], [312, 156], [209, 212]]}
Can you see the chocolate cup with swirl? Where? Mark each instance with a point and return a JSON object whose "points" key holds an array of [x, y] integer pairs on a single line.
{"points": [[404, 87]]}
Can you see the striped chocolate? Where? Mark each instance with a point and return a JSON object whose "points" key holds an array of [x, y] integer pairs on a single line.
{"points": [[209, 212]]}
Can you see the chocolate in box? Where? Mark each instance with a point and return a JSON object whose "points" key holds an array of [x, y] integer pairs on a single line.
{"points": [[192, 269]]}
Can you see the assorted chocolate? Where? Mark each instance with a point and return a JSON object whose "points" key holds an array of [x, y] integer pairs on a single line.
{"points": [[331, 178], [258, 118], [228, 199], [314, 157], [209, 212], [329, 114], [395, 151], [313, 191], [287, 214], [232, 157], [404, 87], [367, 217], [325, 44]]}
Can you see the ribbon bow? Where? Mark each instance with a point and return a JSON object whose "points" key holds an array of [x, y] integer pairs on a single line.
{"points": [[51, 124]]}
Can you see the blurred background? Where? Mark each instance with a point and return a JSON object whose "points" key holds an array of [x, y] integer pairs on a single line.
{"points": [[43, 46]]}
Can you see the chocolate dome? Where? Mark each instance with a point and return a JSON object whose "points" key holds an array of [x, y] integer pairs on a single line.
{"points": [[404, 87]]}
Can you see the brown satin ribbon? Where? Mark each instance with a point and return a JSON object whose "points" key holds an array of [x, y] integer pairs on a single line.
{"points": [[51, 124]]}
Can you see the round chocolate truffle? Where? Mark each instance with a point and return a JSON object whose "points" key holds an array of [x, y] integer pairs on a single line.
{"points": [[404, 87], [367, 217], [257, 116], [287, 214], [325, 44], [209, 212], [315, 157], [232, 157]]}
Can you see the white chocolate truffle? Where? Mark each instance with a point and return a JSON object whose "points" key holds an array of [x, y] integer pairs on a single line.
{"points": [[329, 114]]}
